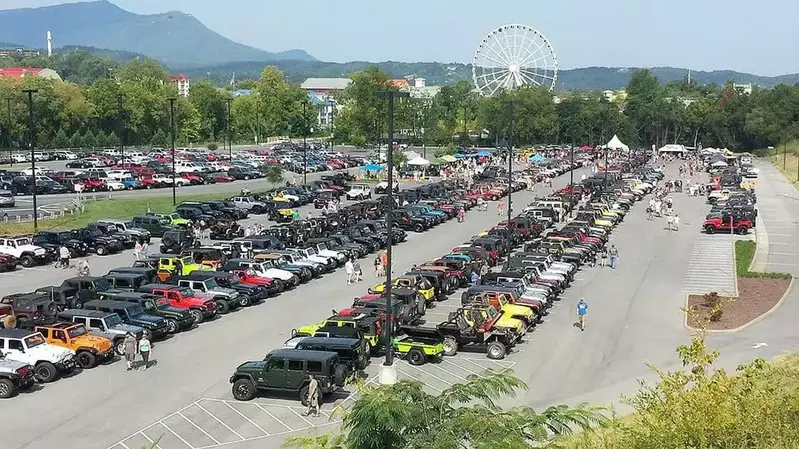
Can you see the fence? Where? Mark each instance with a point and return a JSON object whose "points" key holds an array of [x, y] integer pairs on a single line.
{"points": [[76, 206]]}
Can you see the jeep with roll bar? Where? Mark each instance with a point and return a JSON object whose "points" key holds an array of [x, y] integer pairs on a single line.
{"points": [[287, 370], [54, 240], [73, 292], [368, 327], [208, 288], [30, 347], [90, 350], [97, 242], [126, 281], [201, 309], [28, 254], [15, 376], [177, 319], [31, 309], [253, 293], [131, 314], [108, 325]]}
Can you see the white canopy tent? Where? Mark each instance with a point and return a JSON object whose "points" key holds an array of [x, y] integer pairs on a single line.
{"points": [[616, 144], [419, 161], [411, 155], [671, 148]]}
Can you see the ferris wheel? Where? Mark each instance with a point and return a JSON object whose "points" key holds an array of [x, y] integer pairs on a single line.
{"points": [[513, 56]]}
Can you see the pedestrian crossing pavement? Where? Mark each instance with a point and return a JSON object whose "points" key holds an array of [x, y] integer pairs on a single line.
{"points": [[712, 267]]}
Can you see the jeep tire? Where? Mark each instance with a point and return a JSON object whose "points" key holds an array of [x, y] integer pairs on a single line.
{"points": [[340, 375], [197, 315], [222, 306], [244, 390], [171, 326], [7, 388], [418, 227], [245, 300], [27, 261], [450, 346], [101, 250], [303, 395], [45, 372], [86, 359], [416, 357], [496, 350]]}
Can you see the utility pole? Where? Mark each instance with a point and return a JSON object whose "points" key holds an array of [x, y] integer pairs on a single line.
{"points": [[607, 151], [332, 115], [571, 176], [784, 153], [8, 131], [31, 138], [304, 142], [510, 181], [227, 131], [120, 128], [388, 373], [172, 138], [258, 119]]}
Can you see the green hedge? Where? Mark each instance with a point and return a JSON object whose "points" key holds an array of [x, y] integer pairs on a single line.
{"points": [[744, 253]]}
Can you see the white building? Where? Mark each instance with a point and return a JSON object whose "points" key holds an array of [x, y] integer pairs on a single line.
{"points": [[183, 84], [417, 88], [322, 95], [743, 88]]}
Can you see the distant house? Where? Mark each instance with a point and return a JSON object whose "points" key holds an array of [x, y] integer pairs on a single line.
{"points": [[18, 52], [401, 83], [183, 84], [418, 88], [322, 95], [22, 72], [743, 88], [242, 93]]}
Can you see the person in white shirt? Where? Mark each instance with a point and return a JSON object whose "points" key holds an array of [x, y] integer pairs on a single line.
{"points": [[349, 267], [63, 254]]}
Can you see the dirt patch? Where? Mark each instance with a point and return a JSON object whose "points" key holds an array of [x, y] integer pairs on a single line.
{"points": [[755, 297]]}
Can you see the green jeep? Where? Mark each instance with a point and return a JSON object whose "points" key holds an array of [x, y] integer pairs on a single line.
{"points": [[288, 370]]}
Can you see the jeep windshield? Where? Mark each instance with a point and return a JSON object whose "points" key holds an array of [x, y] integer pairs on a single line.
{"points": [[23, 241], [113, 320], [211, 284], [77, 331], [34, 340], [129, 224]]}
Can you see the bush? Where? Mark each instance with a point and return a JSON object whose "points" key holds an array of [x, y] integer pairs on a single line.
{"points": [[213, 146], [713, 301], [744, 253]]}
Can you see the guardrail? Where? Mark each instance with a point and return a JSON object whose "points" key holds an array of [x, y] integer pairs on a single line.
{"points": [[76, 206]]}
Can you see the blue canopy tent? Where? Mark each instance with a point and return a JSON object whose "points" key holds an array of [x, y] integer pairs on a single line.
{"points": [[459, 156], [483, 153], [536, 158], [372, 167]]}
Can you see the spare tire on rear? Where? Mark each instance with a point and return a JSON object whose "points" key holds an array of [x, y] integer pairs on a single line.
{"points": [[340, 375]]}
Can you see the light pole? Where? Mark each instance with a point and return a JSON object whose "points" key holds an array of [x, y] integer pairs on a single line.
{"points": [[258, 119], [571, 177], [120, 128], [31, 138], [8, 131], [510, 182], [172, 138], [227, 130], [388, 373], [332, 115], [304, 144]]}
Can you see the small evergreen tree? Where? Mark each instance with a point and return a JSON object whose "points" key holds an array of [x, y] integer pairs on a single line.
{"points": [[61, 140], [76, 141], [159, 139], [89, 139]]}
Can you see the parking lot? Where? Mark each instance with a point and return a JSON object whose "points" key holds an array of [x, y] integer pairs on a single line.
{"points": [[778, 207]]}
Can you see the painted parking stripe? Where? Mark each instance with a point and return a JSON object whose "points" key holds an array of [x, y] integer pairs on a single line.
{"points": [[219, 421], [275, 418], [216, 442], [247, 418], [420, 380]]}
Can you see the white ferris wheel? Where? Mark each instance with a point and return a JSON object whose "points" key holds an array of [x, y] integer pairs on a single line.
{"points": [[514, 56]]}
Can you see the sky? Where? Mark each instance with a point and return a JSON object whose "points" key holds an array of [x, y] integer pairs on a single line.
{"points": [[755, 37]]}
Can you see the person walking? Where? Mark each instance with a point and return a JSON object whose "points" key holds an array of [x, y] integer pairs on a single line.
{"points": [[145, 249], [676, 221], [144, 350], [500, 206], [603, 257], [137, 250], [582, 311], [384, 261], [461, 215], [129, 348], [313, 397], [378, 267], [357, 270], [349, 267], [63, 257], [614, 255]]}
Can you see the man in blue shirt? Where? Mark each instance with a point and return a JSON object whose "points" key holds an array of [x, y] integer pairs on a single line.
{"points": [[582, 311]]}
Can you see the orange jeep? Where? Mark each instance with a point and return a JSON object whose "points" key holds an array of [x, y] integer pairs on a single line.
{"points": [[89, 349]]}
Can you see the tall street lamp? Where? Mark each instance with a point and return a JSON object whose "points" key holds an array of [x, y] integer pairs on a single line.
{"points": [[388, 373], [31, 138], [571, 177], [120, 128], [172, 138], [227, 130], [511, 136], [8, 131], [304, 144]]}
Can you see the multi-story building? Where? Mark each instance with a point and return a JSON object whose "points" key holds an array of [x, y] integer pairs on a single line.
{"points": [[322, 95], [183, 84]]}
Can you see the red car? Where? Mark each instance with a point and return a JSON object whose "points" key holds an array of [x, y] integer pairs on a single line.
{"points": [[93, 184], [183, 298], [193, 178], [249, 277], [222, 177]]}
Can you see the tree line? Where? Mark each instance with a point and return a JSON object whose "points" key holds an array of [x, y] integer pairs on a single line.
{"points": [[104, 103]]}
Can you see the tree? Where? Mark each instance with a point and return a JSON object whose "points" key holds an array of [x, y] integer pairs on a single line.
{"points": [[404, 415], [61, 140], [399, 158], [210, 109], [89, 139], [363, 118], [274, 175], [75, 141], [160, 139]]}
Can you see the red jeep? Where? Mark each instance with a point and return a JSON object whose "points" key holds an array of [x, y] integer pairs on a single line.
{"points": [[727, 223], [183, 298], [193, 178], [249, 277]]}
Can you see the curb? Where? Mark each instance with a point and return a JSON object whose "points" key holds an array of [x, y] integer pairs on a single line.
{"points": [[760, 259], [745, 325]]}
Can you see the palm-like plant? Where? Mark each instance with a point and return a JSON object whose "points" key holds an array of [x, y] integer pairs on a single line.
{"points": [[465, 415]]}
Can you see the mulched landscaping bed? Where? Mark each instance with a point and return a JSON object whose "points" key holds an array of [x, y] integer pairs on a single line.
{"points": [[755, 297]]}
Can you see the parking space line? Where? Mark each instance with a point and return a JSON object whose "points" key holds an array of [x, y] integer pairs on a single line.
{"points": [[420, 380], [124, 445], [431, 375], [484, 368], [219, 421], [156, 446], [216, 442], [781, 254], [301, 417], [450, 372], [246, 418], [274, 417], [191, 446], [455, 364]]}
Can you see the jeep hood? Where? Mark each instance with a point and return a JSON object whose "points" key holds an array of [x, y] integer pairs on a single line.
{"points": [[93, 341], [252, 366], [279, 274], [50, 352], [31, 248]]}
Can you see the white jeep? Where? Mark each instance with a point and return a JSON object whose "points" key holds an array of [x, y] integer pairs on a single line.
{"points": [[29, 255], [359, 192], [48, 361]]}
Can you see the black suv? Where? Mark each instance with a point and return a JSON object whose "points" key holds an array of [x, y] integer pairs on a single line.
{"points": [[110, 230], [174, 242], [287, 370], [53, 240], [350, 351], [176, 319], [131, 314], [157, 226], [97, 243]]}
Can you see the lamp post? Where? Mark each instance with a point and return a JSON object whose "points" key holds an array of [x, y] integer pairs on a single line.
{"points": [[332, 115], [120, 128], [258, 119], [571, 176], [227, 130], [8, 131], [172, 138], [31, 138], [510, 181], [304, 144], [388, 373]]}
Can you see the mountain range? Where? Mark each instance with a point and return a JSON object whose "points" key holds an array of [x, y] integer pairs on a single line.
{"points": [[174, 38], [183, 44]]}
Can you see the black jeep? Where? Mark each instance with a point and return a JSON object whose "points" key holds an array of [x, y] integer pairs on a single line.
{"points": [[174, 242], [96, 242], [52, 241]]}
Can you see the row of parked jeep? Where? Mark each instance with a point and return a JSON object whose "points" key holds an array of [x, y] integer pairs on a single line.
{"points": [[82, 322], [498, 307]]}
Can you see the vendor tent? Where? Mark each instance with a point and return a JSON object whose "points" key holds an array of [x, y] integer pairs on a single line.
{"points": [[536, 158], [671, 148], [411, 155], [419, 161], [719, 164], [616, 144], [448, 158], [483, 153], [372, 167]]}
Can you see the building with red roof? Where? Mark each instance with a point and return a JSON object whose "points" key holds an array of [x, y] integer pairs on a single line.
{"points": [[183, 84], [35, 72]]}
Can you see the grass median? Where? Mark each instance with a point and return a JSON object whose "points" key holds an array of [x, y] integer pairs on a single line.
{"points": [[113, 209], [744, 254]]}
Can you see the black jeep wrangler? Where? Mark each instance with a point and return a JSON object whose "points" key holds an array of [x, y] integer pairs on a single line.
{"points": [[174, 242], [53, 240], [96, 242]]}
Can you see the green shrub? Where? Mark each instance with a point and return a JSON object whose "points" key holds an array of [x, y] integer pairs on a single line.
{"points": [[213, 147]]}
